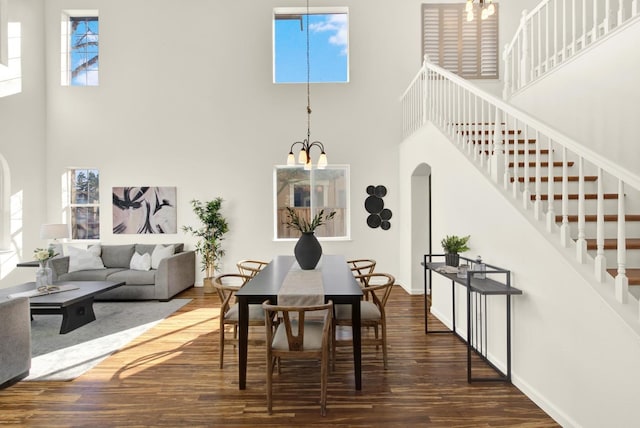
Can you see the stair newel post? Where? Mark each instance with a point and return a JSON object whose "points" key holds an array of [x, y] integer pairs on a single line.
{"points": [[526, 191], [495, 151], [516, 159], [537, 205], [581, 243], [565, 232], [508, 59], [621, 282], [600, 263], [525, 61], [551, 214]]}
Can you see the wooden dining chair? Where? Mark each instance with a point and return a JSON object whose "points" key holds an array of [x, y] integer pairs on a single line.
{"points": [[251, 267], [298, 332], [226, 286], [361, 266], [376, 288]]}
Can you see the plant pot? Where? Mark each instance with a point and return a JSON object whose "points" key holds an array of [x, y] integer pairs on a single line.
{"points": [[452, 259], [207, 285], [308, 251]]}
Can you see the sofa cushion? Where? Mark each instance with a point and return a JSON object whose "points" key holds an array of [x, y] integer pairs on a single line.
{"points": [[134, 277], [159, 253], [80, 259], [148, 248], [88, 275], [140, 261], [117, 256]]}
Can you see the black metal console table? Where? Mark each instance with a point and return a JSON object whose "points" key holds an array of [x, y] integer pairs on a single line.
{"points": [[496, 282]]}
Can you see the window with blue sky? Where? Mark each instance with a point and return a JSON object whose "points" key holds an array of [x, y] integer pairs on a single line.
{"points": [[328, 30], [80, 48]]}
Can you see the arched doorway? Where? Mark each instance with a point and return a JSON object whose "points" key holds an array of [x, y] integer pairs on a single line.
{"points": [[420, 220]]}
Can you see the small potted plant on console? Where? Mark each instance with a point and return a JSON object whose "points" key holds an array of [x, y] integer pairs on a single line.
{"points": [[452, 246]]}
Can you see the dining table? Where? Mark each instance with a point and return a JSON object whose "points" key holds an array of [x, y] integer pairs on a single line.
{"points": [[338, 285]]}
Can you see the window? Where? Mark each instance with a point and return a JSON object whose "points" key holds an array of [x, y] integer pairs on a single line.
{"points": [[79, 59], [308, 192], [328, 45], [467, 48], [84, 203]]}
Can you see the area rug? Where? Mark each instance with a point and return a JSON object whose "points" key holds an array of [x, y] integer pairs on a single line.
{"points": [[66, 356]]}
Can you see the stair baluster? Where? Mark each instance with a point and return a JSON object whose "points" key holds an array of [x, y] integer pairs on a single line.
{"points": [[581, 243], [622, 282], [600, 265]]}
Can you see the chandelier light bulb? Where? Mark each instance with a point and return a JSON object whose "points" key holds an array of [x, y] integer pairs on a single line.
{"points": [[302, 156], [491, 9], [291, 159], [469, 7], [485, 14], [469, 16], [322, 161]]}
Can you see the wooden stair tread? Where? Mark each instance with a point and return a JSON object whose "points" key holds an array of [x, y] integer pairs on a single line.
{"points": [[573, 196], [632, 274], [488, 131], [612, 244], [593, 217], [519, 141], [557, 178], [544, 164]]}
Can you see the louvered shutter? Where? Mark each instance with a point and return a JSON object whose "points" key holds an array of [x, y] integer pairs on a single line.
{"points": [[469, 49]]}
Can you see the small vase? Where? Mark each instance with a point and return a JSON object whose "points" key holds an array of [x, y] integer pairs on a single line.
{"points": [[44, 275], [308, 251]]}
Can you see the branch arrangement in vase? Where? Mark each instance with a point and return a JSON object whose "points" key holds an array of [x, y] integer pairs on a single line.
{"points": [[303, 225]]}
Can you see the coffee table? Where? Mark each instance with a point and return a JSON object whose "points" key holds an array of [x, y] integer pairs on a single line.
{"points": [[75, 306]]}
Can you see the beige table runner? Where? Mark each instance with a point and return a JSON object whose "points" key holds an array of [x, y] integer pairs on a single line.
{"points": [[302, 287]]}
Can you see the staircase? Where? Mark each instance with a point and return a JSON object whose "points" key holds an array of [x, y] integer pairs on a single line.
{"points": [[525, 173], [581, 196]]}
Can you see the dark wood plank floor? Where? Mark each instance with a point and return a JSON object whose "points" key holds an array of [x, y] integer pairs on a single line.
{"points": [[169, 377]]}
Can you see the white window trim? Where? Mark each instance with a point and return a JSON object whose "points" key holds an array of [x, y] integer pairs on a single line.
{"points": [[70, 205], [346, 237], [311, 11], [65, 41], [4, 33]]}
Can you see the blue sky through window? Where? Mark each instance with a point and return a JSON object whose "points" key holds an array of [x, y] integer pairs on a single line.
{"points": [[328, 41], [84, 51]]}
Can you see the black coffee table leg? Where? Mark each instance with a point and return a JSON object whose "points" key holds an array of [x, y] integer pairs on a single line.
{"points": [[76, 315]]}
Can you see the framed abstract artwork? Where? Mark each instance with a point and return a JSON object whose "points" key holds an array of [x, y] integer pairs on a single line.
{"points": [[141, 210]]}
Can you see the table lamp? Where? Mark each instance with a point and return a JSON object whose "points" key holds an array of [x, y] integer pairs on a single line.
{"points": [[54, 231]]}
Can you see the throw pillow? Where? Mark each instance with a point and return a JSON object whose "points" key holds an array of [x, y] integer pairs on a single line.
{"points": [[159, 253], [80, 259], [140, 261]]}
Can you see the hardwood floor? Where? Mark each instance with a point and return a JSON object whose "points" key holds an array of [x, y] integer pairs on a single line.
{"points": [[169, 377]]}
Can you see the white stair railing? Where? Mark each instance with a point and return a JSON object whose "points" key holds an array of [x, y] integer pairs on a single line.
{"points": [[556, 30], [489, 131]]}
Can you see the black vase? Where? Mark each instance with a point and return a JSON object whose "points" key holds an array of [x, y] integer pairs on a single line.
{"points": [[308, 251], [452, 259]]}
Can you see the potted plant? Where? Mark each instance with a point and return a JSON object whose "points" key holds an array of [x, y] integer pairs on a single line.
{"points": [[211, 234], [307, 250], [452, 245]]}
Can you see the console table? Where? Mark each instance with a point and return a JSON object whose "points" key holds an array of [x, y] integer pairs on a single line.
{"points": [[497, 282]]}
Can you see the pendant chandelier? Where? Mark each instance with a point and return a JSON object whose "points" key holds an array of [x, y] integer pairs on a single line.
{"points": [[487, 8], [304, 157]]}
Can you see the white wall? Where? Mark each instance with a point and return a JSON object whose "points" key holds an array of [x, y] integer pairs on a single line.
{"points": [[571, 352], [22, 144], [600, 100]]}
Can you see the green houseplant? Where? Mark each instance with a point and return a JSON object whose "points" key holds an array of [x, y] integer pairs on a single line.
{"points": [[452, 246], [211, 234], [308, 249]]}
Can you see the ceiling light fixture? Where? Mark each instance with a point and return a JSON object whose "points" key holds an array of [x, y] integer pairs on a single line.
{"points": [[304, 157], [487, 8]]}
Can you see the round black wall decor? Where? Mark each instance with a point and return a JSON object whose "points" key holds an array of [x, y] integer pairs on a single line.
{"points": [[379, 216]]}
